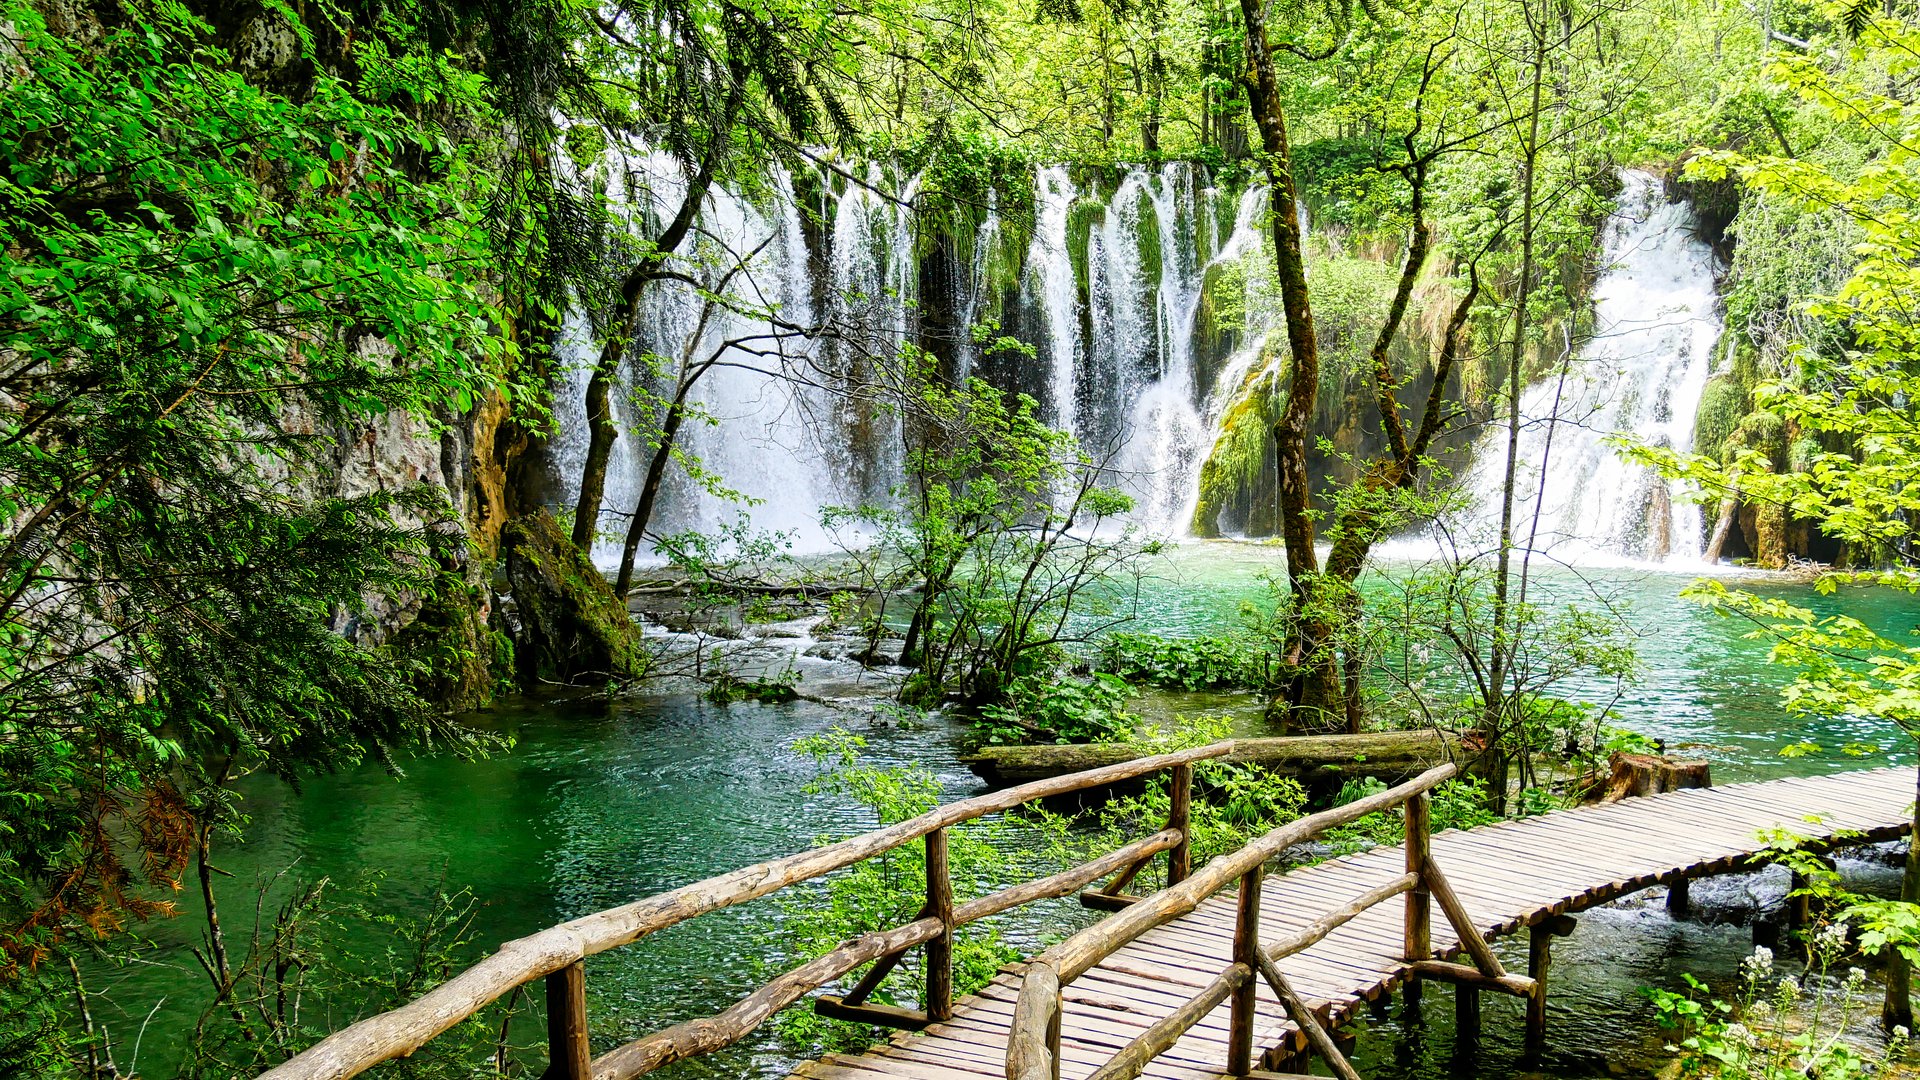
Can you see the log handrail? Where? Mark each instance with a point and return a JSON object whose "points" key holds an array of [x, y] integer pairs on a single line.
{"points": [[1033, 1047], [401, 1031]]}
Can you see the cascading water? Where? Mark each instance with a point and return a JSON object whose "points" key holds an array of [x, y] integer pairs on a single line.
{"points": [[966, 353], [786, 422], [1049, 286], [873, 282], [760, 432], [1639, 377], [1165, 434]]}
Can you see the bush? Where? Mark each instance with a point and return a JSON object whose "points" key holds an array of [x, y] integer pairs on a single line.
{"points": [[1047, 710], [1208, 663], [886, 891]]}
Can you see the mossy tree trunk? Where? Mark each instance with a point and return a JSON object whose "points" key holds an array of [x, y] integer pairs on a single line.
{"points": [[1311, 696], [572, 628]]}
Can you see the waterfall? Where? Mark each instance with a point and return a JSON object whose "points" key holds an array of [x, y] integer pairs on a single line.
{"points": [[1050, 286], [1164, 433], [1640, 376], [873, 281], [966, 353], [765, 427], [1109, 294]]}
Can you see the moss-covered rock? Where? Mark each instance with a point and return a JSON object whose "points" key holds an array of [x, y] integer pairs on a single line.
{"points": [[571, 626], [1234, 462], [1770, 536], [1083, 217], [1762, 432], [1722, 404], [1147, 235], [451, 646]]}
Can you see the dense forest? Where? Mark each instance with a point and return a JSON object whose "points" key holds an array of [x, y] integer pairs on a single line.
{"points": [[466, 466]]}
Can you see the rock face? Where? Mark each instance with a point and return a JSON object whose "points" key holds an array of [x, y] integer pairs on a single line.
{"points": [[570, 627]]}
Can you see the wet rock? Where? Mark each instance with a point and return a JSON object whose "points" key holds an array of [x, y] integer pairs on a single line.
{"points": [[571, 626]]}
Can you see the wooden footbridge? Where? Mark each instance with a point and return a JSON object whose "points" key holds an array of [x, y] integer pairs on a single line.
{"points": [[1226, 972]]}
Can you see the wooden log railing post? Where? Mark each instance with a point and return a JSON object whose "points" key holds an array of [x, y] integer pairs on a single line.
{"points": [[1799, 908], [1303, 1018], [1246, 950], [1180, 816], [1540, 957], [1466, 1016], [1419, 917], [1033, 1046], [939, 951], [569, 1057], [1679, 899]]}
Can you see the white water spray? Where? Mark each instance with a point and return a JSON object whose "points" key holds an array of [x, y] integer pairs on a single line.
{"points": [[1640, 377]]}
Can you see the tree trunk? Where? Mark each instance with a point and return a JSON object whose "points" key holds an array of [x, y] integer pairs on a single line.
{"points": [[1495, 706], [1313, 694], [649, 493], [1723, 526], [1897, 1010], [1634, 775], [601, 430]]}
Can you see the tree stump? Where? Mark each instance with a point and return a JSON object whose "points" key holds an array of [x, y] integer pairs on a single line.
{"points": [[1646, 774]]}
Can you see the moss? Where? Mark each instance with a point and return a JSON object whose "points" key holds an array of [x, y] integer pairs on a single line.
{"points": [[1802, 452], [572, 627], [1240, 452], [1082, 218], [449, 646], [1721, 405], [1763, 432], [1149, 239], [1770, 536]]}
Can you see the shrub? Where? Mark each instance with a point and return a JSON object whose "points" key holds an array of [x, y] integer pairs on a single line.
{"points": [[1206, 663], [1047, 710]]}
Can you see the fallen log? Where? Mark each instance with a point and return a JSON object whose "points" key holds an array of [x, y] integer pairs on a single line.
{"points": [[1315, 760]]}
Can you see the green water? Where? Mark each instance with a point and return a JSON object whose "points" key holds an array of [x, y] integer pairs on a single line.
{"points": [[595, 806]]}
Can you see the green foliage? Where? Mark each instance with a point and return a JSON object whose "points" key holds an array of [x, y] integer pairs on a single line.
{"points": [[996, 538], [1048, 709], [1778, 1027], [1232, 804], [1346, 187], [1861, 392], [1460, 803], [1205, 663], [209, 287], [328, 950], [1722, 404], [886, 891], [726, 688]]}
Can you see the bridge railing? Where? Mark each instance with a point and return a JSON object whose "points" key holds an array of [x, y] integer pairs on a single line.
{"points": [[1033, 1048], [557, 953]]}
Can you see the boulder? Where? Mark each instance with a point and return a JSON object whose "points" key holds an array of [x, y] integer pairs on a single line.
{"points": [[571, 627]]}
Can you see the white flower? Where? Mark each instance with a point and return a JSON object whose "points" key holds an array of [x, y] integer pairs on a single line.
{"points": [[1856, 978], [1738, 1032], [1759, 965]]}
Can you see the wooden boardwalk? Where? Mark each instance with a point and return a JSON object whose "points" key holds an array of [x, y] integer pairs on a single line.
{"points": [[1509, 875]]}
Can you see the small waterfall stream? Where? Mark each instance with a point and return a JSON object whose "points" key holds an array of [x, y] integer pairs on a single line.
{"points": [[1640, 376]]}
